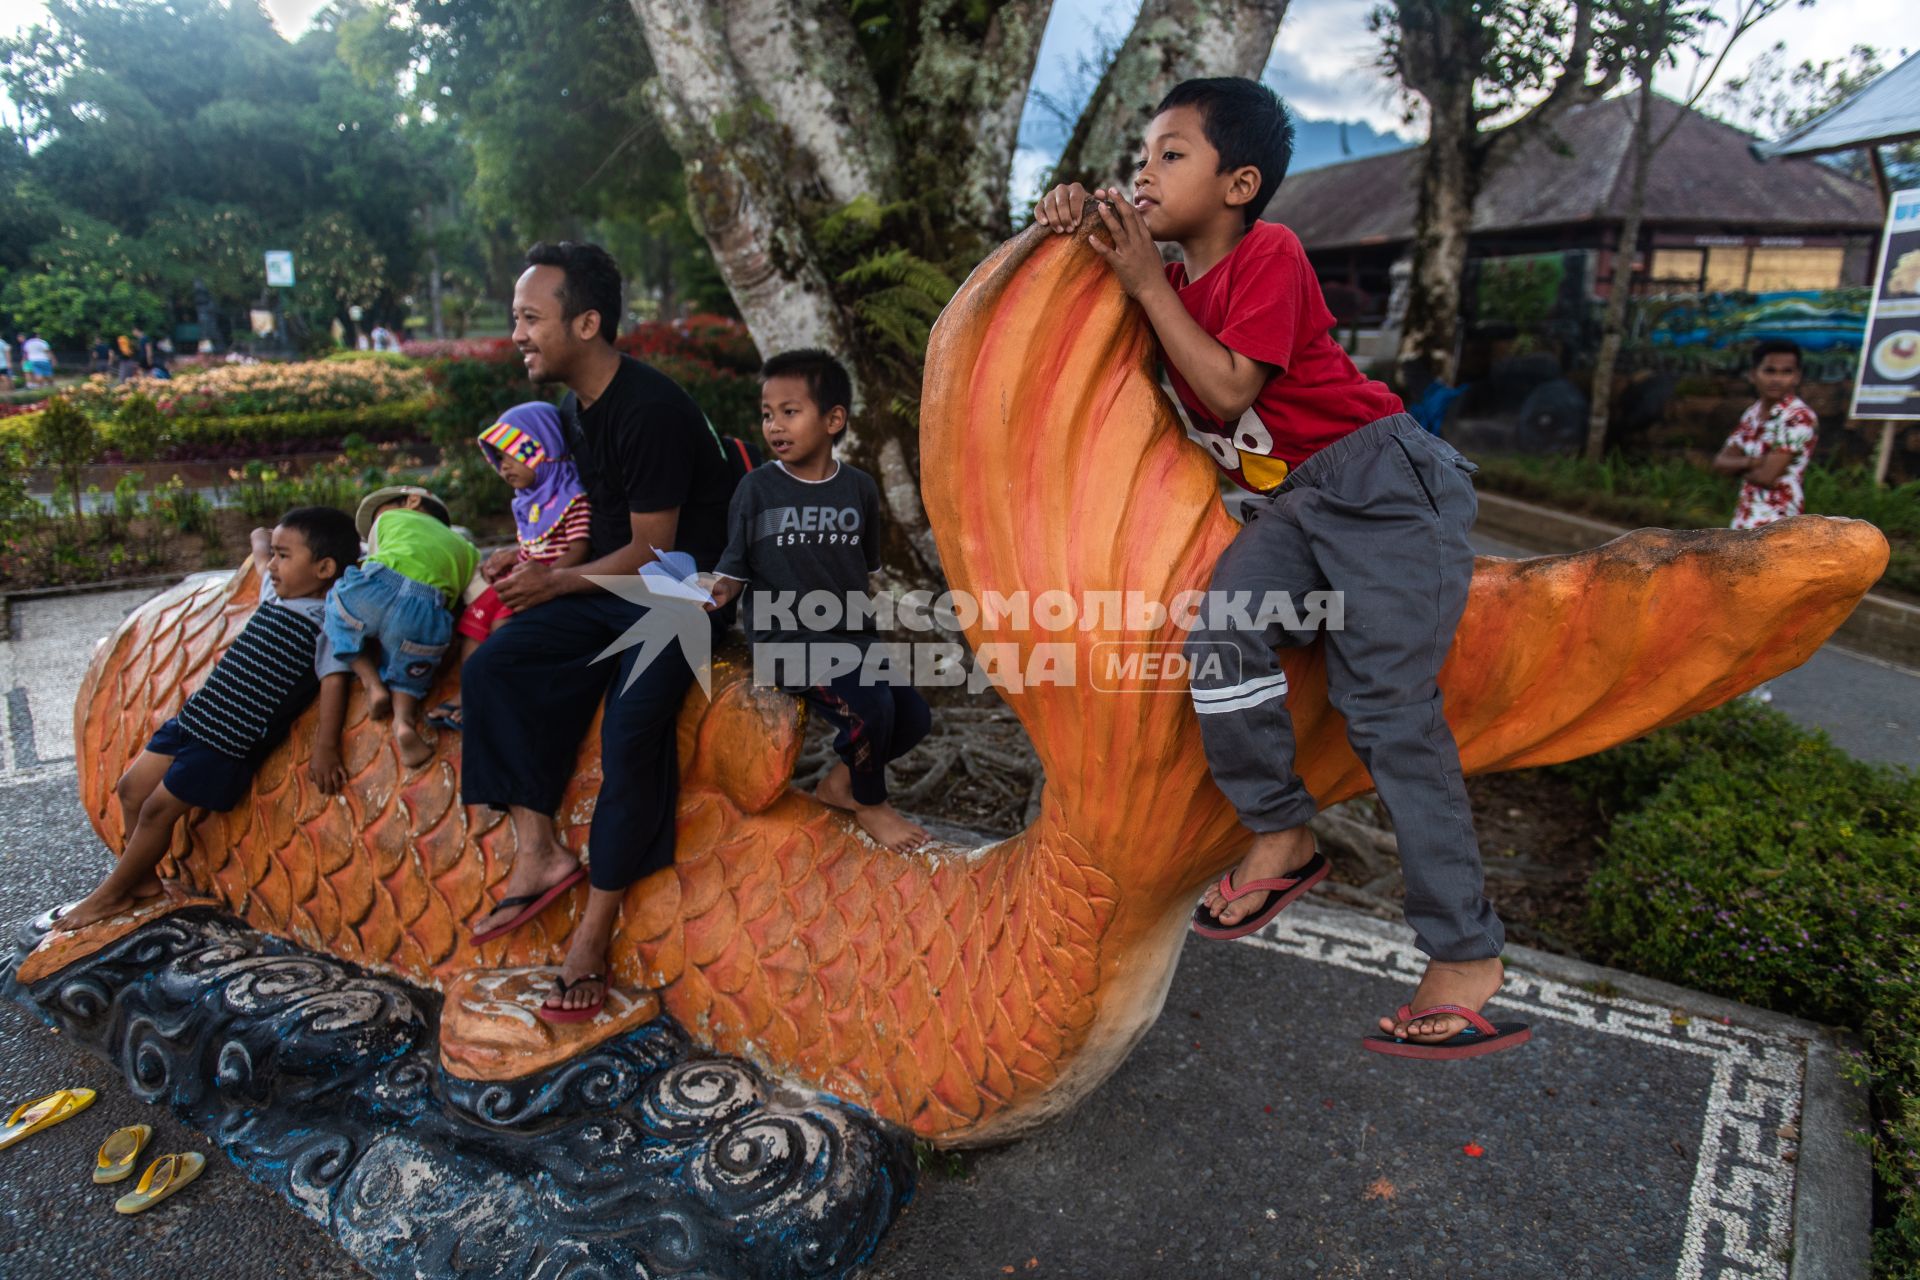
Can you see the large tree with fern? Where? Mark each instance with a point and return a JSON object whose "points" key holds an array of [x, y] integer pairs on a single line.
{"points": [[848, 161]]}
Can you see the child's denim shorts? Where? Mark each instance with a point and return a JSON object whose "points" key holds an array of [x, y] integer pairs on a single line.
{"points": [[402, 618]]}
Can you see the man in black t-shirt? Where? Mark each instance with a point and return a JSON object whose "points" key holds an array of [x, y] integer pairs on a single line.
{"points": [[657, 478]]}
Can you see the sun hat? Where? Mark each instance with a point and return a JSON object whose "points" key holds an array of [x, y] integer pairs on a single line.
{"points": [[363, 518]]}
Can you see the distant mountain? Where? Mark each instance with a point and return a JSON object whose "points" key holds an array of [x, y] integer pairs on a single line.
{"points": [[1318, 143]]}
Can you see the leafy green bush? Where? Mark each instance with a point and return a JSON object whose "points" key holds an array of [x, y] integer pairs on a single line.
{"points": [[1675, 494], [249, 435], [64, 441], [139, 430], [470, 395], [1753, 859]]}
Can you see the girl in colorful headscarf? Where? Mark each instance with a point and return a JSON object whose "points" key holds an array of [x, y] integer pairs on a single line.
{"points": [[550, 513]]}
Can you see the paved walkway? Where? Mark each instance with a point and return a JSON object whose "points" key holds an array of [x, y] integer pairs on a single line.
{"points": [[1648, 1132]]}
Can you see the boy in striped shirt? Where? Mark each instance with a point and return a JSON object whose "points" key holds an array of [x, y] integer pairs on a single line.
{"points": [[206, 755]]}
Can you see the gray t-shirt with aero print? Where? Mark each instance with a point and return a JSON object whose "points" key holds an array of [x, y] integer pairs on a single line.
{"points": [[788, 534]]}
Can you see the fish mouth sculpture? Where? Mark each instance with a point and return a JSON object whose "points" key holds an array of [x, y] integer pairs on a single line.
{"points": [[966, 994]]}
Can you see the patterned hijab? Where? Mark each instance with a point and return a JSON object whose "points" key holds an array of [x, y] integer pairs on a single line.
{"points": [[530, 433]]}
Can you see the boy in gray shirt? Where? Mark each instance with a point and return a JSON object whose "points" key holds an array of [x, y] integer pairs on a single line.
{"points": [[807, 522]]}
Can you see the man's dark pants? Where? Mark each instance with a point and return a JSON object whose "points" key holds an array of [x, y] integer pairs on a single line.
{"points": [[528, 694]]}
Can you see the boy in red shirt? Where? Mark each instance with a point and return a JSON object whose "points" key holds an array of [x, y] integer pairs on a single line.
{"points": [[1354, 497]]}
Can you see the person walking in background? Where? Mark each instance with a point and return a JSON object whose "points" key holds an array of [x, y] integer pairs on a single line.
{"points": [[39, 361], [6, 366], [126, 357], [100, 355]]}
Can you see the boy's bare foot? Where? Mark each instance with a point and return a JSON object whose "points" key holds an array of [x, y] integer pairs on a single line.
{"points": [[413, 748], [886, 825], [379, 702], [104, 905], [1468, 983], [1274, 854], [836, 789]]}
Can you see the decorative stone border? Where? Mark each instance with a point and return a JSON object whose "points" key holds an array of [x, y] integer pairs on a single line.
{"points": [[1740, 1210]]}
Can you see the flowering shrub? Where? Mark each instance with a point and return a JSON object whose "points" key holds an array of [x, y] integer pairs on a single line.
{"points": [[459, 349], [1753, 859], [233, 390], [718, 341]]}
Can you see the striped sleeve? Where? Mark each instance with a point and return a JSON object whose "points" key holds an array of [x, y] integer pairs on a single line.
{"points": [[577, 526]]}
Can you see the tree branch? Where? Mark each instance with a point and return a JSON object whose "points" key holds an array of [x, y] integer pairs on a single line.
{"points": [[1171, 41], [964, 94], [800, 57]]}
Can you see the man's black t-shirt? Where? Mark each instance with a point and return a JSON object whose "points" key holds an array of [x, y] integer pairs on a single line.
{"points": [[645, 446]]}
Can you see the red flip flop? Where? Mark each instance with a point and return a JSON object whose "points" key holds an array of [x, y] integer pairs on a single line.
{"points": [[1284, 890], [534, 903], [1480, 1036], [586, 1012]]}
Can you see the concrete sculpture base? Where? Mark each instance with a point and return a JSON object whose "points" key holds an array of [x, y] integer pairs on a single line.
{"points": [[635, 1157]]}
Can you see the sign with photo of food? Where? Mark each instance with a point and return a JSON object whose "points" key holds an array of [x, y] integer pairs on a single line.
{"points": [[1889, 380]]}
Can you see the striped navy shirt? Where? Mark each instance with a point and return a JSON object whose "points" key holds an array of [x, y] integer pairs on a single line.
{"points": [[261, 683]]}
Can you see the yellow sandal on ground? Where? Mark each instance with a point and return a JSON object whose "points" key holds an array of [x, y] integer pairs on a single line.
{"points": [[44, 1112], [119, 1151], [163, 1177]]}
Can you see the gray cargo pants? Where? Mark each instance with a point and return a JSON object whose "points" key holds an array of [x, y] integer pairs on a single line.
{"points": [[1380, 516]]}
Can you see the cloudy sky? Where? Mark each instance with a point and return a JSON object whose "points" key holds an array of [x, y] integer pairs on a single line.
{"points": [[1324, 61]]}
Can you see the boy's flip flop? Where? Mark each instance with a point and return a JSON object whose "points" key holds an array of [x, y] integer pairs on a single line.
{"points": [[163, 1177], [32, 1116], [1480, 1036], [534, 904], [1282, 892], [586, 1012], [119, 1151]]}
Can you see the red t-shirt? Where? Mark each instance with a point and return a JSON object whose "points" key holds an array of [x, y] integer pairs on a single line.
{"points": [[1263, 301]]}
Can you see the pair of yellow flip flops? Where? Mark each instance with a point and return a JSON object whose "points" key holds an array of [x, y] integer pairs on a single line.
{"points": [[163, 1177], [117, 1154]]}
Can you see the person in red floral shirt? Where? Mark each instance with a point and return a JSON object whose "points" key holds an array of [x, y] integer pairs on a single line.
{"points": [[1770, 448]]}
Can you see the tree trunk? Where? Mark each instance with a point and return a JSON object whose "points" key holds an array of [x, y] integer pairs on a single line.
{"points": [[736, 179], [1448, 185], [966, 91], [1620, 293], [800, 59], [1171, 41]]}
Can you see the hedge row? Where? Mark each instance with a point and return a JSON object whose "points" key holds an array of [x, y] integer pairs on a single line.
{"points": [[1753, 859], [249, 435]]}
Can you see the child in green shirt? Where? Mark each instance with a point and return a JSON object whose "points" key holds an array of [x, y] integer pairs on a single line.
{"points": [[399, 600]]}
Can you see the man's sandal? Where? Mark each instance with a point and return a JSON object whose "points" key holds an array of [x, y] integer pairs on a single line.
{"points": [[1282, 892], [1479, 1037], [532, 904], [586, 1012]]}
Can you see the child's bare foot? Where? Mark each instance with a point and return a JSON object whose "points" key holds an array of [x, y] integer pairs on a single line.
{"points": [[413, 748], [104, 904], [836, 789], [886, 825], [1468, 983], [1274, 854], [379, 702]]}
